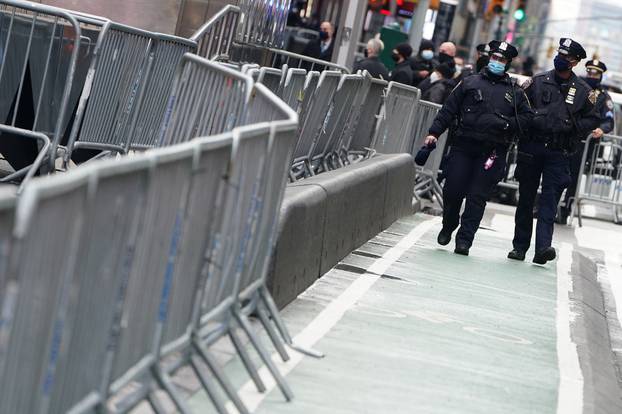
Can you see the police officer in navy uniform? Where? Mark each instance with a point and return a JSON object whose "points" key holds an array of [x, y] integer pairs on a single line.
{"points": [[490, 109], [564, 112], [604, 108]]}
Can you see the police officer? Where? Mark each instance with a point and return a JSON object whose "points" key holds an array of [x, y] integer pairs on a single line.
{"points": [[563, 113], [483, 56], [604, 108], [490, 109]]}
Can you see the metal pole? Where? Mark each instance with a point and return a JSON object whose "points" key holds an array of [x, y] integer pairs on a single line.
{"points": [[351, 32], [479, 19], [418, 20]]}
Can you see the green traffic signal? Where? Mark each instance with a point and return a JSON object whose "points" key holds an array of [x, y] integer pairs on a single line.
{"points": [[519, 14]]}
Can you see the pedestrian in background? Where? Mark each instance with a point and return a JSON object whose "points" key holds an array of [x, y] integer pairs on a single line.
{"points": [[372, 63], [564, 113], [402, 72], [441, 85], [322, 48], [424, 63]]}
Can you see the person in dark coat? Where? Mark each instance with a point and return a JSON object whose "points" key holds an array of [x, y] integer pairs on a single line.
{"points": [[441, 85], [372, 63], [491, 110], [604, 109], [564, 114], [323, 47], [424, 63], [402, 72]]}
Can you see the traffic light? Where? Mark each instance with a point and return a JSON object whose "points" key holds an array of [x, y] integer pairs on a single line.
{"points": [[521, 11], [495, 7]]}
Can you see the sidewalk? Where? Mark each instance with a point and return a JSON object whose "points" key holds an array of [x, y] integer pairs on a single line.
{"points": [[409, 327]]}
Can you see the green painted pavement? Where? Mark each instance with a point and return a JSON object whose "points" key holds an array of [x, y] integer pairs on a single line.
{"points": [[439, 333]]}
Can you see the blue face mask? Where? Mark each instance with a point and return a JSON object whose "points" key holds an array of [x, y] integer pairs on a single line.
{"points": [[496, 68], [427, 54]]}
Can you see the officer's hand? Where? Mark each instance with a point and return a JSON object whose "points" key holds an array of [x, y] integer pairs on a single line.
{"points": [[598, 133], [430, 139]]}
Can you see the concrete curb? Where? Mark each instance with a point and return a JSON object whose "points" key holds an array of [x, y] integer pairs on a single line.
{"points": [[601, 391], [326, 217]]}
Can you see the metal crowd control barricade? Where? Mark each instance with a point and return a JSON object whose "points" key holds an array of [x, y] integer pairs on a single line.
{"points": [[427, 175], [206, 99], [254, 296], [39, 49], [293, 89], [315, 122], [215, 37], [337, 118], [7, 222], [204, 212], [272, 78], [354, 116], [124, 99], [42, 260], [112, 218], [263, 21], [360, 146], [397, 119], [600, 180], [150, 278]]}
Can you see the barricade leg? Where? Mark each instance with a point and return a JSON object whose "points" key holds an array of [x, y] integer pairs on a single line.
{"points": [[219, 373], [246, 361], [273, 311], [209, 387], [165, 382], [272, 334], [263, 354]]}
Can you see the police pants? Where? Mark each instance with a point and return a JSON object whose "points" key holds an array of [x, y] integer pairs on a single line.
{"points": [[467, 178], [536, 161]]}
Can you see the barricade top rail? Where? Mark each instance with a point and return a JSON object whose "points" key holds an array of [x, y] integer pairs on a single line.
{"points": [[48, 118], [207, 98], [229, 8]]}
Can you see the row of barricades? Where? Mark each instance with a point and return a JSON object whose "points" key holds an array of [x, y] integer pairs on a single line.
{"points": [[71, 80], [348, 117], [113, 267], [115, 274]]}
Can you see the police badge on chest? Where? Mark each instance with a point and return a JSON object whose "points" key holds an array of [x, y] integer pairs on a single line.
{"points": [[571, 93], [508, 97]]}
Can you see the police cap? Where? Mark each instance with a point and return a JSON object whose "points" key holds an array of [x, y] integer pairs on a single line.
{"points": [[483, 49], [503, 49], [596, 66], [569, 47]]}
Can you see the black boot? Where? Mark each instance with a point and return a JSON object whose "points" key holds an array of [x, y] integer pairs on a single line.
{"points": [[545, 255], [516, 255], [444, 237], [462, 248]]}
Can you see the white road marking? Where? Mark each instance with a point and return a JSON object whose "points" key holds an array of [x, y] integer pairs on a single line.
{"points": [[570, 392], [331, 315]]}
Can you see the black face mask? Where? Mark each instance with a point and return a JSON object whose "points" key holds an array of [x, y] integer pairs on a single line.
{"points": [[593, 82], [365, 53], [444, 58], [481, 63], [323, 35], [395, 57]]}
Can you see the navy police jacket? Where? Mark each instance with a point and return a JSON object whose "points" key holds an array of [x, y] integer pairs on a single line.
{"points": [[564, 111], [487, 107], [604, 108]]}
